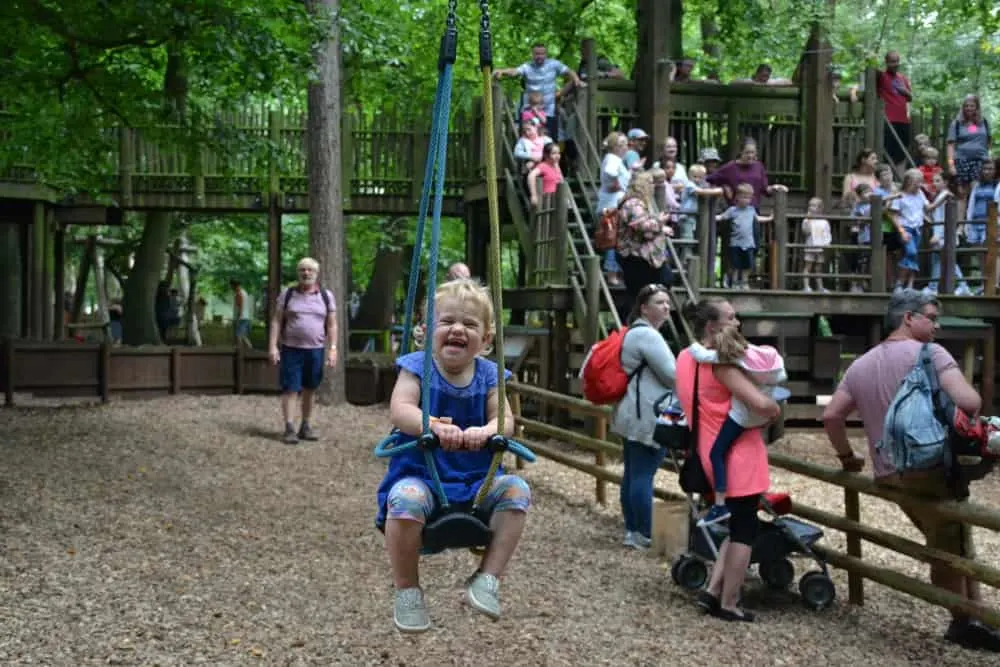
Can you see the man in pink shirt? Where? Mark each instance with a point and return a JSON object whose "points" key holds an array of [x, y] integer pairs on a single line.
{"points": [[869, 386], [896, 94], [303, 340]]}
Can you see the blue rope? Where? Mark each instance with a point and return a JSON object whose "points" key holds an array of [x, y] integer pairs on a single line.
{"points": [[425, 195], [440, 125]]}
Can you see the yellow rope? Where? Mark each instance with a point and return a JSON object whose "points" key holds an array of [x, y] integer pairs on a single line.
{"points": [[493, 200]]}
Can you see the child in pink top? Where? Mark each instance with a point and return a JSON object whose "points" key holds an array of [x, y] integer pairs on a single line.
{"points": [[535, 111], [766, 369]]}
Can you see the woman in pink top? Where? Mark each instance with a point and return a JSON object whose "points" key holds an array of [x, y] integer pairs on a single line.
{"points": [[748, 473], [548, 169], [862, 171]]}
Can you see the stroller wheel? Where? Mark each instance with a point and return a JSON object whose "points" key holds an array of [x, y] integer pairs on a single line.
{"points": [[777, 574], [817, 590], [675, 569], [691, 573]]}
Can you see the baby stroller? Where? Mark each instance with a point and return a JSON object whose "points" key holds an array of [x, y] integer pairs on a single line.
{"points": [[779, 538]]}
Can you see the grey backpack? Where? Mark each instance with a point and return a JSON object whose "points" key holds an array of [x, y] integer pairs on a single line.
{"points": [[913, 435]]}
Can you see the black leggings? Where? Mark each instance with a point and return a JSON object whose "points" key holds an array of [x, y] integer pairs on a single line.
{"points": [[639, 273], [743, 522]]}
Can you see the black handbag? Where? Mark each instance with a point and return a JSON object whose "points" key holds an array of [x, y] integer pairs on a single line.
{"points": [[675, 435], [692, 475]]}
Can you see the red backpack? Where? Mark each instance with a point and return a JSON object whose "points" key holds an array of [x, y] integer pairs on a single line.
{"points": [[605, 381]]}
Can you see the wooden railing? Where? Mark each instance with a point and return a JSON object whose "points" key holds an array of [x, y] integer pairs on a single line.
{"points": [[258, 152], [781, 250], [858, 570]]}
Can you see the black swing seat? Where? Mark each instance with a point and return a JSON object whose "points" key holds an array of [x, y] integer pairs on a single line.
{"points": [[456, 528]]}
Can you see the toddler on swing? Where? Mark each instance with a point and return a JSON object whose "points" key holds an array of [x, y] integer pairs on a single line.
{"points": [[464, 408], [766, 369]]}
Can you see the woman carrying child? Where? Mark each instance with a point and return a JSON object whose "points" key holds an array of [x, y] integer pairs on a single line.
{"points": [[465, 407], [748, 474], [766, 369], [646, 355]]}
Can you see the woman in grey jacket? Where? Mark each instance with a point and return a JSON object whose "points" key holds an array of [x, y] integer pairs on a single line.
{"points": [[651, 366]]}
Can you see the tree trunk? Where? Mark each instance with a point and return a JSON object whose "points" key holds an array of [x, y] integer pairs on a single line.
{"points": [[710, 38], [10, 281], [326, 216], [138, 313], [139, 299]]}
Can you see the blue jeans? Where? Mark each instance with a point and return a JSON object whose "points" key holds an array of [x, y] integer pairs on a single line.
{"points": [[641, 464], [910, 258], [728, 434]]}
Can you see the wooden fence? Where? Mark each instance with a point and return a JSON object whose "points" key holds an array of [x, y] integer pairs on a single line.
{"points": [[853, 485], [102, 371]]}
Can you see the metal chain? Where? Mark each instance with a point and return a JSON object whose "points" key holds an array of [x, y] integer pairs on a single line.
{"points": [[484, 21], [452, 20]]}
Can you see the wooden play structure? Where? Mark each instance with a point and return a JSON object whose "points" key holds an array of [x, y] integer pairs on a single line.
{"points": [[806, 140]]}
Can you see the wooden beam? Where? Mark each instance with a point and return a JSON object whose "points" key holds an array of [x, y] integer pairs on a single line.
{"points": [[38, 270], [273, 257], [818, 103]]}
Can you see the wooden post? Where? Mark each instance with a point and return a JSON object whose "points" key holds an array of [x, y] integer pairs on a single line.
{"points": [[601, 486], [779, 242], [347, 165], [990, 270], [59, 281], [175, 370], [8, 385], [818, 94], [947, 280], [560, 248], [589, 118], [24, 240], [732, 130], [653, 69], [878, 246], [48, 277], [855, 582], [873, 112], [126, 163], [515, 408], [104, 371], [989, 369], [273, 168], [706, 243], [273, 257], [239, 362], [38, 271]]}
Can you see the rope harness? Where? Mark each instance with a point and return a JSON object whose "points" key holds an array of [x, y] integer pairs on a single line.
{"points": [[434, 180]]}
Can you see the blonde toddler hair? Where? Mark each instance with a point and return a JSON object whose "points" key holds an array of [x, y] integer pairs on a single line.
{"points": [[730, 345], [472, 294], [744, 189], [911, 176], [697, 171]]}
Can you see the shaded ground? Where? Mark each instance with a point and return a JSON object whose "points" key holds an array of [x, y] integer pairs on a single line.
{"points": [[179, 531]]}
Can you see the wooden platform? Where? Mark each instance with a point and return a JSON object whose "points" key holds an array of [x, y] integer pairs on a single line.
{"points": [[759, 303]]}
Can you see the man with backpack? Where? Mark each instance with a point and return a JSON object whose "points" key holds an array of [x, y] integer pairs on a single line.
{"points": [[304, 325], [883, 386]]}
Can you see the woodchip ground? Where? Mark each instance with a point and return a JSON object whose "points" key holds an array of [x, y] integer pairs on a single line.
{"points": [[180, 531]]}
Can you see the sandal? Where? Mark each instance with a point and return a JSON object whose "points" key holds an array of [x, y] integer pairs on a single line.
{"points": [[708, 602], [731, 615]]}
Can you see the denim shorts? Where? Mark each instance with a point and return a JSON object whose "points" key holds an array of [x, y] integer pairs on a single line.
{"points": [[741, 259], [301, 368], [243, 328], [911, 258]]}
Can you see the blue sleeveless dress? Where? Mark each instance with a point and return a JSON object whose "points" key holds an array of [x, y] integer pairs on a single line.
{"points": [[463, 472]]}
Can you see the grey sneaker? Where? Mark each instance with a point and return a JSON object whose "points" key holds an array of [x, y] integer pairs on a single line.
{"points": [[409, 612], [483, 594], [290, 438], [306, 433]]}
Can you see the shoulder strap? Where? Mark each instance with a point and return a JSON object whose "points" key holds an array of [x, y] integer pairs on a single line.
{"points": [[986, 126], [693, 421], [326, 298], [638, 369]]}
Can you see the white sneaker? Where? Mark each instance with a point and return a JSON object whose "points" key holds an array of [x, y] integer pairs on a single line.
{"points": [[963, 290], [807, 289], [636, 541]]}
